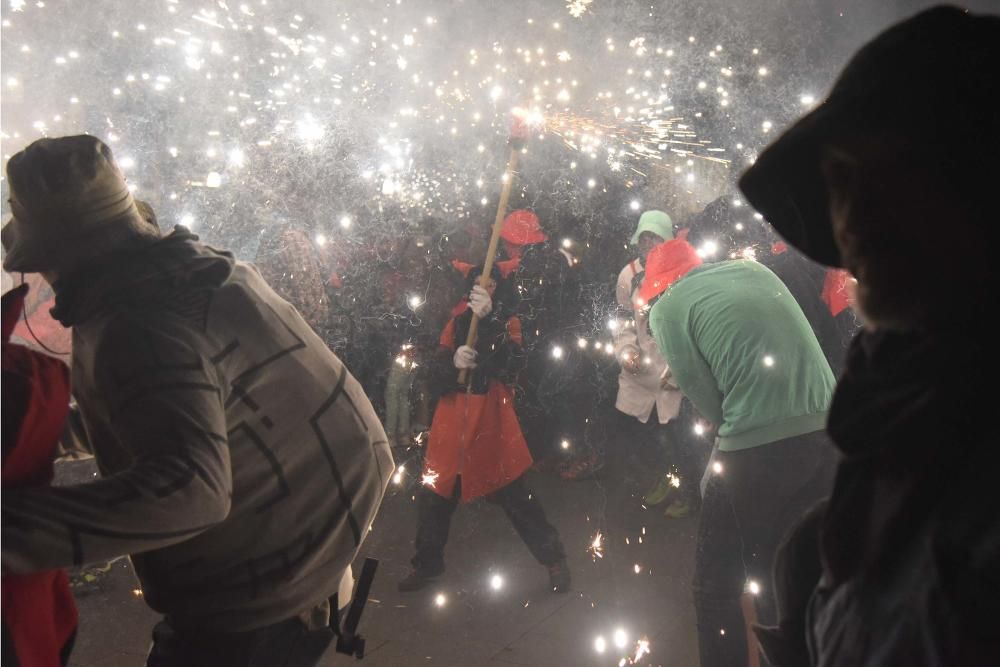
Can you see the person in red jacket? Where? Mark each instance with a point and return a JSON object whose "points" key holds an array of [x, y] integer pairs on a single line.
{"points": [[39, 615], [476, 448]]}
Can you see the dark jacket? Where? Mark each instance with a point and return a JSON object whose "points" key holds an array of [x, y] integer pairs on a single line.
{"points": [[911, 541], [804, 280]]}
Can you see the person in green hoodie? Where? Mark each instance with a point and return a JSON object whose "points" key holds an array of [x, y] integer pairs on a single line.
{"points": [[740, 348]]}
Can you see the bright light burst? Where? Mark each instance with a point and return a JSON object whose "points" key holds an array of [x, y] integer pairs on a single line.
{"points": [[429, 478], [596, 548]]}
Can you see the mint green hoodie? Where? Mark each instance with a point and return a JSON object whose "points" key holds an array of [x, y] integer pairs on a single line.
{"points": [[740, 348]]}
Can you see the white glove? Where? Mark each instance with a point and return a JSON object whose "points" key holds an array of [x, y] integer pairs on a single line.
{"points": [[480, 302], [465, 357]]}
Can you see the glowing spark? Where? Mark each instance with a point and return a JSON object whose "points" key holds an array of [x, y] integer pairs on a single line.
{"points": [[596, 547], [753, 587], [699, 428], [635, 205], [440, 600], [345, 222], [577, 8], [600, 645], [768, 361], [565, 444], [717, 468], [213, 180], [415, 302], [621, 638], [496, 582], [708, 249], [581, 343], [320, 240], [309, 130], [429, 478], [557, 352]]}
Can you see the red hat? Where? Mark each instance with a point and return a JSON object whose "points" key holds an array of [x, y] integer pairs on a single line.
{"points": [[664, 265], [521, 228]]}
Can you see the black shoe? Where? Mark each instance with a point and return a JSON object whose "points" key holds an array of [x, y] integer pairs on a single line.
{"points": [[416, 580], [559, 579]]}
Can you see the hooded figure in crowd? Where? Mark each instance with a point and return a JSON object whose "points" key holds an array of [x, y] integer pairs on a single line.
{"points": [[909, 546], [553, 393], [741, 350], [476, 448], [241, 463], [655, 406]]}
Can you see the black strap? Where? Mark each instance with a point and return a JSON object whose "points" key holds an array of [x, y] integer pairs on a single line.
{"points": [[348, 641]]}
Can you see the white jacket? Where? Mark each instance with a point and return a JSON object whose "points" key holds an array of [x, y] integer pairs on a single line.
{"points": [[639, 392]]}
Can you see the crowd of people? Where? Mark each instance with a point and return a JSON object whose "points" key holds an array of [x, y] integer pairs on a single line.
{"points": [[245, 433]]}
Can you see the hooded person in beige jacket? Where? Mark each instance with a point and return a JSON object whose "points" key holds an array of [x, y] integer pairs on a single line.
{"points": [[241, 463]]}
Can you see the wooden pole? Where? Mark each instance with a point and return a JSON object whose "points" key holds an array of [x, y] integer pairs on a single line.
{"points": [[491, 252]]}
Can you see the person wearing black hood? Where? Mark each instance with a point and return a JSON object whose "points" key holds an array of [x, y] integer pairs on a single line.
{"points": [[554, 396], [909, 546], [241, 463]]}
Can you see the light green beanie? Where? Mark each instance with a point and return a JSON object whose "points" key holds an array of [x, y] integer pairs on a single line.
{"points": [[657, 222]]}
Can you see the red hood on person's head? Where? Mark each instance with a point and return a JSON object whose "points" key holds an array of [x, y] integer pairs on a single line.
{"points": [[521, 227], [664, 265]]}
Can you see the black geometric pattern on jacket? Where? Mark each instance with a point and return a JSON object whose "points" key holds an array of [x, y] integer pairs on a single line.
{"points": [[139, 382]]}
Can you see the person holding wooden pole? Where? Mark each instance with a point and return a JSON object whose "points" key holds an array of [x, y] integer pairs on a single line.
{"points": [[476, 448]]}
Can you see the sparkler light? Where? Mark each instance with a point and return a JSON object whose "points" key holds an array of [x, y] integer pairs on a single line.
{"points": [[429, 478], [596, 548]]}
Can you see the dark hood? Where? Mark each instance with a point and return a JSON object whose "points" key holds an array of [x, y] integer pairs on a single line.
{"points": [[154, 274]]}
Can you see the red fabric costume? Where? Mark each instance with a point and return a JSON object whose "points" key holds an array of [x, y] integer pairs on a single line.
{"points": [[476, 435], [38, 609]]}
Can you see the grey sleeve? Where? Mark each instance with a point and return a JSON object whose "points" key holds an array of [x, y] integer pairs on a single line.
{"points": [[167, 412]]}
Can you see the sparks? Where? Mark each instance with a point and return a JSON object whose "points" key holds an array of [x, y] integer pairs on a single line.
{"points": [[596, 548], [429, 478]]}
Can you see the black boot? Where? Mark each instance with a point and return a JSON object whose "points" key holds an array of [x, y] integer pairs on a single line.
{"points": [[559, 579], [417, 579]]}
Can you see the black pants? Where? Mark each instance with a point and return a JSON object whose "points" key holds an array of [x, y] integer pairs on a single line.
{"points": [[289, 643], [747, 509], [641, 452], [522, 508]]}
